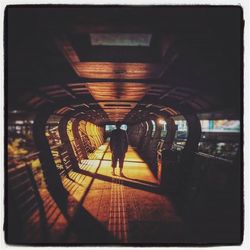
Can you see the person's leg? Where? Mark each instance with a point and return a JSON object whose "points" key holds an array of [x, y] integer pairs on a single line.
{"points": [[121, 162], [114, 162]]}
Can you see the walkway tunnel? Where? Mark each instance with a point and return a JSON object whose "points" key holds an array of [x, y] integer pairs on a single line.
{"points": [[172, 77]]}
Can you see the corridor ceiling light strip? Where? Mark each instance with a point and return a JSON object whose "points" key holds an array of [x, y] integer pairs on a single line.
{"points": [[120, 39]]}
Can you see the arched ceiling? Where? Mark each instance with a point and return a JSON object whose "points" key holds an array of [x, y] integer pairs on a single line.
{"points": [[123, 63]]}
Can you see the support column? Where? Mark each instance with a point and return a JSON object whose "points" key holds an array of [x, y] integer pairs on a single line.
{"points": [[171, 130], [148, 136], [142, 135], [157, 134], [51, 174], [188, 155], [152, 150], [167, 160], [194, 133]]}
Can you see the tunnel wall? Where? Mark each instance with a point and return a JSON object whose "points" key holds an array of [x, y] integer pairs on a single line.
{"points": [[29, 175], [39, 169], [204, 188], [149, 141], [92, 137], [146, 141]]}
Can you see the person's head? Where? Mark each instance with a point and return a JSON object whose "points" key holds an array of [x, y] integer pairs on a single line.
{"points": [[118, 125]]}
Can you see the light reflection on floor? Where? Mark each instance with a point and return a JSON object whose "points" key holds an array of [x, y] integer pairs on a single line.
{"points": [[122, 203], [131, 208]]}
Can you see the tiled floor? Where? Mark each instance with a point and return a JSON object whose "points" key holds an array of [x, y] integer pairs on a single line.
{"points": [[102, 208]]}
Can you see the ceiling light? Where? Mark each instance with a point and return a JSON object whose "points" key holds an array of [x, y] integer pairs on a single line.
{"points": [[120, 39]]}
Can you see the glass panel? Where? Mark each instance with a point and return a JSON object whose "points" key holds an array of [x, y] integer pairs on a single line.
{"points": [[163, 126], [181, 133], [220, 138], [109, 128]]}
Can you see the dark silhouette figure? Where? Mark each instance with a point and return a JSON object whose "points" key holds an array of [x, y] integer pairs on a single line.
{"points": [[118, 146]]}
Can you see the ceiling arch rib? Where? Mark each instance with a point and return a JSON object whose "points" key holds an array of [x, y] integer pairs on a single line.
{"points": [[118, 99], [165, 56]]}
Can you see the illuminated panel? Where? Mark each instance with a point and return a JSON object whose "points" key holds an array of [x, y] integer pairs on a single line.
{"points": [[220, 126], [115, 105], [120, 39]]}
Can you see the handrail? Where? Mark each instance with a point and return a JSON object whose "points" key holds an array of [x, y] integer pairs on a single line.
{"points": [[25, 157], [36, 154], [209, 156], [57, 146], [214, 157], [23, 165]]}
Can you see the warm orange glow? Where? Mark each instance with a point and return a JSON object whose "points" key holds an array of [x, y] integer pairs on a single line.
{"points": [[161, 121], [108, 70], [117, 99], [115, 201], [71, 135]]}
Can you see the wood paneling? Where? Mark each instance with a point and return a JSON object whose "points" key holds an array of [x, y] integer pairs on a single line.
{"points": [[111, 91], [117, 99], [109, 70]]}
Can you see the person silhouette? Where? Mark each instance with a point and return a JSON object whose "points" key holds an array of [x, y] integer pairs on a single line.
{"points": [[118, 146]]}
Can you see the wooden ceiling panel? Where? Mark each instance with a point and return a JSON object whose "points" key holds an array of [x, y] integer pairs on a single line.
{"points": [[109, 70], [117, 110], [109, 91], [117, 99]]}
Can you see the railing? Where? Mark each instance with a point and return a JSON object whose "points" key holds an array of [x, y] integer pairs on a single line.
{"points": [[59, 153], [212, 157], [61, 158], [25, 182], [208, 156], [18, 162]]}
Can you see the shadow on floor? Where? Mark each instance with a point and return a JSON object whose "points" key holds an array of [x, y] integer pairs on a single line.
{"points": [[83, 227], [140, 181], [126, 161], [142, 186], [87, 230]]}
